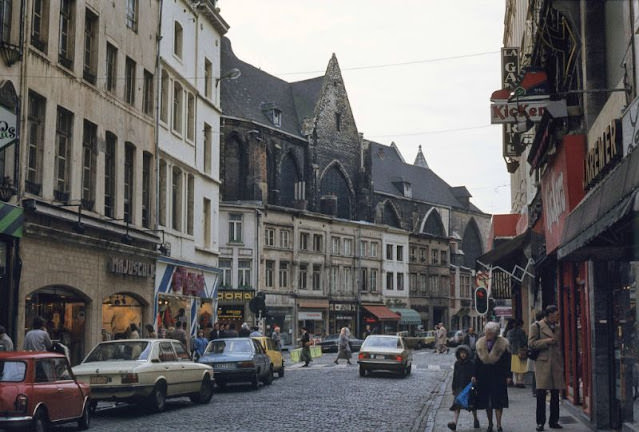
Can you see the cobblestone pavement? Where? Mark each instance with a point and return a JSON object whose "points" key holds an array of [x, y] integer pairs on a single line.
{"points": [[322, 397]]}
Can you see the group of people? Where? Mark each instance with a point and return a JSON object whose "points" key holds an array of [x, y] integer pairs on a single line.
{"points": [[489, 365]]}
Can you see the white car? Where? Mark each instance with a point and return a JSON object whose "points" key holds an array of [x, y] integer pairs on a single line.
{"points": [[146, 371]]}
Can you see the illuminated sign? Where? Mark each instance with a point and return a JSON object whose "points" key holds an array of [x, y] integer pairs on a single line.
{"points": [[234, 296]]}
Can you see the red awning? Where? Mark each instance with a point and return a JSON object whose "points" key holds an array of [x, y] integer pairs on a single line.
{"points": [[382, 313]]}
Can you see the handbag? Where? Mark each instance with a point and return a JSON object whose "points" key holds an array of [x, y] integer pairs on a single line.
{"points": [[523, 353], [467, 398], [533, 353]]}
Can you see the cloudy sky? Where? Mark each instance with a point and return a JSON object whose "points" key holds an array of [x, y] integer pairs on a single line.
{"points": [[417, 72]]}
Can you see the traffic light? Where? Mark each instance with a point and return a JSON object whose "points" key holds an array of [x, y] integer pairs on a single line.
{"points": [[481, 300]]}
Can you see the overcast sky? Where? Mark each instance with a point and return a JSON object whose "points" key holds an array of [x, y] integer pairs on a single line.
{"points": [[417, 72]]}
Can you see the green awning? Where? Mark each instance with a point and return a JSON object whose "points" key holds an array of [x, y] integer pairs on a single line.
{"points": [[11, 220], [408, 316]]}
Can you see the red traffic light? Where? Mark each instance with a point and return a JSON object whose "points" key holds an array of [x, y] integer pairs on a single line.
{"points": [[481, 300]]}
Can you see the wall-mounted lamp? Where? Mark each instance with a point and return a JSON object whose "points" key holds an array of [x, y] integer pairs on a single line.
{"points": [[164, 247], [231, 74], [77, 226]]}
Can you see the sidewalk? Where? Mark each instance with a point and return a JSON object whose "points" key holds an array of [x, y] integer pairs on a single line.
{"points": [[519, 417]]}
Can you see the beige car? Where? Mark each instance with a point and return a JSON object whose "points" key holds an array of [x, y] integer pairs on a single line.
{"points": [[146, 371], [277, 360], [384, 353]]}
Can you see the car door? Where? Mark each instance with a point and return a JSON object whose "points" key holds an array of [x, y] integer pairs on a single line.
{"points": [[169, 367], [261, 358], [68, 392], [190, 376], [46, 389]]}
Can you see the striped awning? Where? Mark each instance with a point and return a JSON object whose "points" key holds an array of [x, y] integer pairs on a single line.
{"points": [[11, 220]]}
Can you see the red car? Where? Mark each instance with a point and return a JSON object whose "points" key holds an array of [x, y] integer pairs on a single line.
{"points": [[38, 389]]}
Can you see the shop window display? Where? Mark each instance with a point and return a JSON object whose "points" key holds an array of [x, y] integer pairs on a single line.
{"points": [[119, 311]]}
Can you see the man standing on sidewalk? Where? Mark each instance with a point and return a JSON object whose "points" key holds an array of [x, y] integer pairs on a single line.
{"points": [[549, 368]]}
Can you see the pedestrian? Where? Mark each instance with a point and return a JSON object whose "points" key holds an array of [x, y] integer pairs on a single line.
{"points": [[245, 331], [134, 332], [277, 338], [199, 344], [255, 332], [518, 347], [37, 339], [441, 339], [531, 363], [106, 336], [470, 339], [6, 344], [180, 333], [462, 375], [492, 368], [343, 347], [230, 331], [150, 331], [305, 341], [549, 368], [215, 333]]}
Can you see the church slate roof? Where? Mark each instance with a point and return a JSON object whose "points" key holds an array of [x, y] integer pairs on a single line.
{"points": [[388, 167]]}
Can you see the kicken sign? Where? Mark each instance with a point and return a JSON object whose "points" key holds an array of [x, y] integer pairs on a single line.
{"points": [[511, 112], [8, 122]]}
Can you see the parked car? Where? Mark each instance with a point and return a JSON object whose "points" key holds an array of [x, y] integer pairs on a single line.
{"points": [[38, 389], [277, 360], [238, 360], [146, 371], [454, 338], [387, 353], [331, 343], [422, 339]]}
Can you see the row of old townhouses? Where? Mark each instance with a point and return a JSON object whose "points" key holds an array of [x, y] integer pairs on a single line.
{"points": [[149, 176], [568, 108]]}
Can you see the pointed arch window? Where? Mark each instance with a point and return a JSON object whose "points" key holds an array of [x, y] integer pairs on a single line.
{"points": [[334, 183]]}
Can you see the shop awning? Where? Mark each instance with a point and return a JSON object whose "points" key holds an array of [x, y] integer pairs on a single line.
{"points": [[408, 316], [11, 220], [382, 312], [312, 303], [506, 251], [606, 204]]}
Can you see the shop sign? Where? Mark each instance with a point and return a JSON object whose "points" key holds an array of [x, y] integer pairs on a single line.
{"points": [[310, 316], [229, 313], [509, 74], [630, 126], [343, 317], [129, 267], [187, 282], [513, 112], [234, 296], [346, 307], [604, 154], [8, 122]]}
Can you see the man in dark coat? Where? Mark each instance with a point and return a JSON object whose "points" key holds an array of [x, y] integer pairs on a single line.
{"points": [[492, 369], [305, 341]]}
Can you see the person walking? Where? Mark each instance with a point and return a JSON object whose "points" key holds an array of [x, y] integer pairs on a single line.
{"points": [[37, 339], [549, 368], [441, 339], [492, 368], [462, 375], [134, 332], [343, 346], [6, 344], [470, 339], [277, 338], [518, 346], [531, 363], [150, 331], [255, 332], [199, 344], [245, 331], [215, 331], [305, 341]]}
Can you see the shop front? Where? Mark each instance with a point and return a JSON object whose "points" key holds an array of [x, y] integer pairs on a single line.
{"points": [[232, 307], [381, 319], [11, 220], [184, 293], [409, 319], [280, 311], [342, 314], [312, 313]]}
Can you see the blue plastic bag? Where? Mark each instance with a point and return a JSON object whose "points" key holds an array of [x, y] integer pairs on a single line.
{"points": [[466, 398]]}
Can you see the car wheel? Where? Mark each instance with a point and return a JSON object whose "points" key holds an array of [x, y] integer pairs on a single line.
{"points": [[362, 371], [410, 368], [93, 406], [280, 373], [268, 380], [157, 398], [255, 382], [404, 372], [85, 421], [206, 392], [40, 421]]}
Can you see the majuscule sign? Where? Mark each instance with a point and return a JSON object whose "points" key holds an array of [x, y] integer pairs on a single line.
{"points": [[129, 267]]}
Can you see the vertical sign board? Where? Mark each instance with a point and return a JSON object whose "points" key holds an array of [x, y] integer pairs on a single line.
{"points": [[509, 77], [630, 127], [8, 123]]}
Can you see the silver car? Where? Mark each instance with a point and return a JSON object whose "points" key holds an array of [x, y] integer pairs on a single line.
{"points": [[385, 353]]}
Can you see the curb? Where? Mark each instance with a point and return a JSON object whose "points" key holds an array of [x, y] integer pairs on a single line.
{"points": [[436, 403]]}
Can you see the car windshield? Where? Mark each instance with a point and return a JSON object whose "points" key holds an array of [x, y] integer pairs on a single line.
{"points": [[12, 371], [229, 346], [382, 342], [130, 350]]}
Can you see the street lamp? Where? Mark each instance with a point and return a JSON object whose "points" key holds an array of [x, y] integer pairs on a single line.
{"points": [[231, 74]]}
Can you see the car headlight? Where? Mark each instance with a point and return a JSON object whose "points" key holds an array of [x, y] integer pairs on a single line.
{"points": [[130, 378]]}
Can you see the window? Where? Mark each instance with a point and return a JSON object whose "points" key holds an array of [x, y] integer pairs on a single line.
{"points": [[147, 160], [5, 20], [177, 39], [374, 246], [162, 194], [423, 253], [363, 248], [444, 257], [109, 174], [413, 252], [176, 198], [283, 274], [433, 284], [389, 252], [190, 203], [111, 68], [317, 242], [338, 121], [206, 204], [207, 149], [335, 278], [63, 130], [65, 42], [317, 272], [208, 76], [164, 97], [235, 227], [348, 279], [373, 284], [465, 285], [129, 175], [89, 162], [390, 278], [423, 283], [303, 276], [284, 239], [40, 24], [90, 71], [37, 105], [348, 247], [147, 95], [44, 371], [190, 116], [400, 253], [62, 371], [129, 81], [412, 283], [363, 279], [277, 117], [270, 269], [304, 240], [177, 107], [226, 265], [244, 273], [434, 257], [269, 237], [335, 245], [132, 15], [400, 281]]}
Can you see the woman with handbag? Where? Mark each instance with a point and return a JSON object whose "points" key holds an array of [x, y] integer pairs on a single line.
{"points": [[462, 374], [306, 347], [519, 358], [344, 346]]}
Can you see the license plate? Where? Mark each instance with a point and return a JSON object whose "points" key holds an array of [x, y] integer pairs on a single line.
{"points": [[99, 380], [372, 356], [223, 366]]}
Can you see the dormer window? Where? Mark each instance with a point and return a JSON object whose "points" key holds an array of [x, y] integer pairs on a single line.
{"points": [[272, 112], [408, 190], [276, 117]]}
